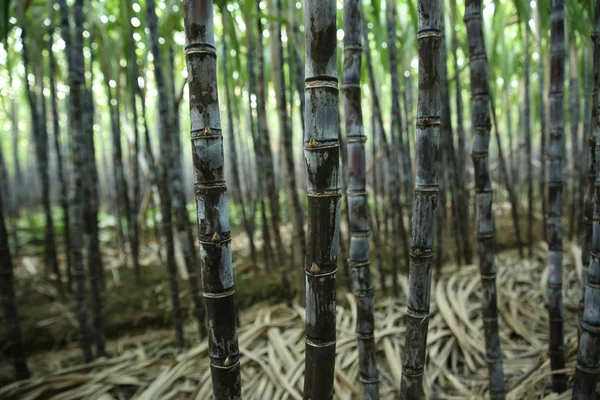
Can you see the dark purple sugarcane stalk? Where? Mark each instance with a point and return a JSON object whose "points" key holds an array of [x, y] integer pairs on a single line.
{"points": [[528, 143], [555, 152], [429, 38], [481, 125], [321, 152], [214, 233], [461, 173], [358, 206], [575, 211], [588, 354], [76, 80], [7, 294]]}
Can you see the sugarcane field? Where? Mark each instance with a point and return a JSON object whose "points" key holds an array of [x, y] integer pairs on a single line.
{"points": [[299, 199]]}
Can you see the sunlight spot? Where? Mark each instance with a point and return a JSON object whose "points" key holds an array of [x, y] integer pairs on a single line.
{"points": [[340, 34], [406, 74], [137, 37], [161, 40], [104, 19], [136, 7], [535, 55], [135, 22], [112, 18], [236, 75], [514, 83], [112, 83], [298, 5], [414, 63], [262, 5], [500, 81], [383, 45]]}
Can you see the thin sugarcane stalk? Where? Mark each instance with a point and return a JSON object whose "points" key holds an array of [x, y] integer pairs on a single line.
{"points": [[358, 206], [396, 151], [132, 76], [542, 115], [429, 38], [481, 124], [270, 178], [40, 140], [63, 188], [76, 79], [344, 243], [7, 294], [214, 231], [165, 170], [234, 159], [447, 146], [396, 127], [585, 160], [575, 212], [554, 162], [182, 221], [297, 217], [91, 207], [528, 144], [321, 152], [587, 223], [461, 173]]}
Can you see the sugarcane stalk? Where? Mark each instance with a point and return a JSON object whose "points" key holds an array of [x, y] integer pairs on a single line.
{"points": [[214, 232], [358, 206], [321, 153], [429, 38], [481, 124]]}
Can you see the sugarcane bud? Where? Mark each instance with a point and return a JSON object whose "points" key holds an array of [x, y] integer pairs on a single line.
{"points": [[216, 238], [312, 143], [227, 362], [314, 269], [418, 253], [207, 131]]}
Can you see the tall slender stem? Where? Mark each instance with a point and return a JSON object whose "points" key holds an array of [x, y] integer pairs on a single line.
{"points": [[481, 124], [321, 152], [358, 206], [429, 38], [214, 232], [554, 161]]}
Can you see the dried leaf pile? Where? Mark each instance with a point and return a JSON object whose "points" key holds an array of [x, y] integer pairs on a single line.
{"points": [[272, 345]]}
